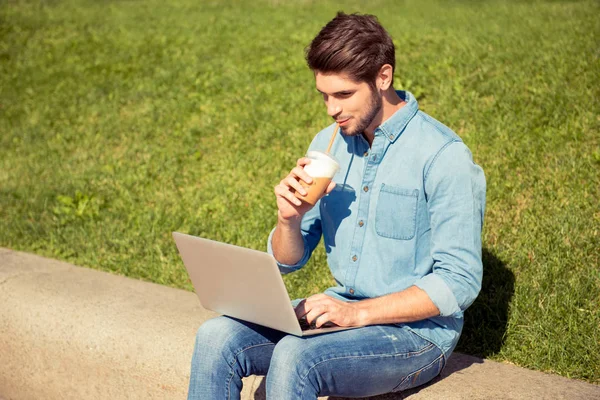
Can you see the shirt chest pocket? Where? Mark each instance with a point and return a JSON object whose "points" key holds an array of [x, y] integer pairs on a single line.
{"points": [[396, 213]]}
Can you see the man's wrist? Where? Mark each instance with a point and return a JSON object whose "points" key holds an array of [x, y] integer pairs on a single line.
{"points": [[361, 313], [289, 223]]}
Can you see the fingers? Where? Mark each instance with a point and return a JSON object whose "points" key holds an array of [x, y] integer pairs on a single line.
{"points": [[313, 316], [323, 321], [303, 161], [314, 307], [299, 172], [330, 187], [282, 190], [294, 184], [291, 183], [300, 309], [307, 305], [304, 307]]}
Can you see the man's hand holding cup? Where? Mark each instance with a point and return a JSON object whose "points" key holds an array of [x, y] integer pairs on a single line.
{"points": [[307, 182]]}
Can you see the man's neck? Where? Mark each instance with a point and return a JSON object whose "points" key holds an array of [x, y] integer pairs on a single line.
{"points": [[391, 103]]}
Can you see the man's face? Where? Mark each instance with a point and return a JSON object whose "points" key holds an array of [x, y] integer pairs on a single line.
{"points": [[353, 105]]}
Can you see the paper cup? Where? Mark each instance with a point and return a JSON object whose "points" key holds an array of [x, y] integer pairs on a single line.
{"points": [[322, 168]]}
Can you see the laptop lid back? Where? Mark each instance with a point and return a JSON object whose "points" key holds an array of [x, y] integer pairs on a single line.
{"points": [[238, 282]]}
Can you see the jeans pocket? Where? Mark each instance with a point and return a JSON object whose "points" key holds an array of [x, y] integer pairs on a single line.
{"points": [[423, 375], [396, 214]]}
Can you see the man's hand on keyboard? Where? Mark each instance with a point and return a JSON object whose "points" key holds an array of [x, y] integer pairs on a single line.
{"points": [[321, 309]]}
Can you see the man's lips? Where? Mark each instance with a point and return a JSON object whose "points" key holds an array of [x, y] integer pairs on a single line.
{"points": [[342, 122]]}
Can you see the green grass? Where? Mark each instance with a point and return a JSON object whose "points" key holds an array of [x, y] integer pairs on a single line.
{"points": [[123, 121]]}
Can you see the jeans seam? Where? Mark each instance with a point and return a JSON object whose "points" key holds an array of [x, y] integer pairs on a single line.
{"points": [[404, 355], [419, 370], [231, 373]]}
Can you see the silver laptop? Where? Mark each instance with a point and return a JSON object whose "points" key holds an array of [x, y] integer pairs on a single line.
{"points": [[241, 283]]}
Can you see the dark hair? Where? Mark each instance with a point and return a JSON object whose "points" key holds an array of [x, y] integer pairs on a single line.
{"points": [[355, 44]]}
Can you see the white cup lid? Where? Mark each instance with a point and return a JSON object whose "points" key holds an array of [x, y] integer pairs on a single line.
{"points": [[321, 164]]}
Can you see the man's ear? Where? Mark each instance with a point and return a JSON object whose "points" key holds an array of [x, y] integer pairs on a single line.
{"points": [[384, 77]]}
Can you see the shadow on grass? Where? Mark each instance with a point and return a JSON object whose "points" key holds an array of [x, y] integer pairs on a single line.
{"points": [[486, 319], [483, 332]]}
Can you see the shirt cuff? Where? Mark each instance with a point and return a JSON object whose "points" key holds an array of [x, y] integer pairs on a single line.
{"points": [[439, 293], [286, 268]]}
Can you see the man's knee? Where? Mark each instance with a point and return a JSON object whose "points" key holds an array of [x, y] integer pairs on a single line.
{"points": [[215, 334], [232, 343], [289, 351], [292, 367]]}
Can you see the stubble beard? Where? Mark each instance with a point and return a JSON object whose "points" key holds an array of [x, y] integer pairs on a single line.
{"points": [[375, 104]]}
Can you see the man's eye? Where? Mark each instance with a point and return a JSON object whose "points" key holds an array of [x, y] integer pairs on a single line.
{"points": [[344, 95]]}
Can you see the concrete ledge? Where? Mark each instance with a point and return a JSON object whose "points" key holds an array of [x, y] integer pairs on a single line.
{"points": [[73, 333]]}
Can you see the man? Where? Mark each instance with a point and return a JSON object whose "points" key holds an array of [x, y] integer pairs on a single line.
{"points": [[401, 224]]}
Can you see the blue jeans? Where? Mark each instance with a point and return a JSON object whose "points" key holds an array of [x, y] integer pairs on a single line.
{"points": [[355, 363]]}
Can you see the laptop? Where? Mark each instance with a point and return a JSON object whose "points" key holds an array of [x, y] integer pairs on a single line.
{"points": [[241, 283]]}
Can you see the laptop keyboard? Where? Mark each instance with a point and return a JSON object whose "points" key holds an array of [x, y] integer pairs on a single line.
{"points": [[305, 326]]}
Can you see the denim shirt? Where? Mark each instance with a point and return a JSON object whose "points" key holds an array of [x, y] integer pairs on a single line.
{"points": [[406, 211]]}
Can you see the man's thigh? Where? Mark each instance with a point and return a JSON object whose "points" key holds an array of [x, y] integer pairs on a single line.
{"points": [[359, 362]]}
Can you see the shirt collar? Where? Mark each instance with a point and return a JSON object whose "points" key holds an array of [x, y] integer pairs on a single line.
{"points": [[393, 127]]}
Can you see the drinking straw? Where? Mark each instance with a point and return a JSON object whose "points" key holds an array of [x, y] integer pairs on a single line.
{"points": [[337, 126]]}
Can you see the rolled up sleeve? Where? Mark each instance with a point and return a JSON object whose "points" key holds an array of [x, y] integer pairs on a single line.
{"points": [[455, 190]]}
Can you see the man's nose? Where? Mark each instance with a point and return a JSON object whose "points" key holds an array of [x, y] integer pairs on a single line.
{"points": [[333, 108]]}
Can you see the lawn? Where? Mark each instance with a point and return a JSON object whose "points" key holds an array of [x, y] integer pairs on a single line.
{"points": [[121, 121]]}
